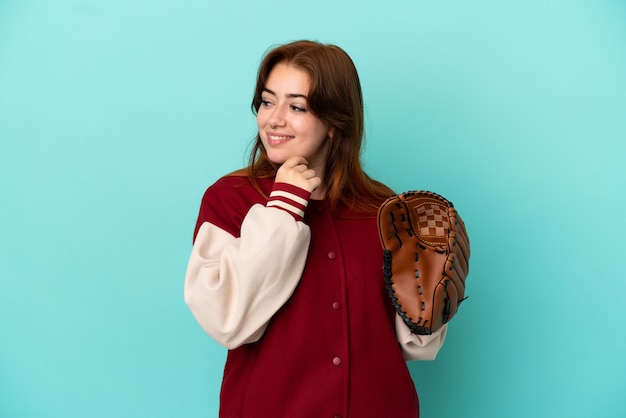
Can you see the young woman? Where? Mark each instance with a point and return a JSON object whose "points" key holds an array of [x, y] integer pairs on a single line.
{"points": [[285, 269]]}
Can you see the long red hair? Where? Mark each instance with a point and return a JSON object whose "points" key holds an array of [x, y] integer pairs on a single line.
{"points": [[335, 97]]}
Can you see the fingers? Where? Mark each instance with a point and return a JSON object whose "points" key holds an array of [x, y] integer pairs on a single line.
{"points": [[462, 237], [463, 242], [295, 171], [394, 227], [459, 241], [460, 259], [295, 161], [453, 271]]}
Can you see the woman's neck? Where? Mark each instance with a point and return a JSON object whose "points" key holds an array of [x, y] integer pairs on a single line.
{"points": [[319, 193]]}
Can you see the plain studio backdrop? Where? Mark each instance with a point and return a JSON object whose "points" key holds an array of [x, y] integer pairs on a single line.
{"points": [[116, 115]]}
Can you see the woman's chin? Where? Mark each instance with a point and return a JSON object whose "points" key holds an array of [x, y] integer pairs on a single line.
{"points": [[277, 157]]}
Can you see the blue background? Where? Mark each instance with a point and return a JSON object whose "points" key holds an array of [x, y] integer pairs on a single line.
{"points": [[116, 115]]}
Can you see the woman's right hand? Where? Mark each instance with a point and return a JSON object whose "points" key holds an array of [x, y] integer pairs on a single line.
{"points": [[295, 171]]}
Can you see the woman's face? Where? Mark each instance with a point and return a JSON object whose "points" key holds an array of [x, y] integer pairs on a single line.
{"points": [[286, 125]]}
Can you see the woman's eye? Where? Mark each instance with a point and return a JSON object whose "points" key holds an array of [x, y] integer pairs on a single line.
{"points": [[265, 103], [298, 109]]}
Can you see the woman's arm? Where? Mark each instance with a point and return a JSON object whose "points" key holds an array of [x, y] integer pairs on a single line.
{"points": [[234, 285], [419, 347]]}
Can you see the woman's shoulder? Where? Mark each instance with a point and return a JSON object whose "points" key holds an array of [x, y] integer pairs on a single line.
{"points": [[229, 182], [226, 202], [239, 187]]}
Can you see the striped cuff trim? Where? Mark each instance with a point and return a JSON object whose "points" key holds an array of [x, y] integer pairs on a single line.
{"points": [[294, 190], [289, 198]]}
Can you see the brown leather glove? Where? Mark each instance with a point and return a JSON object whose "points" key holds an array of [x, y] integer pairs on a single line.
{"points": [[426, 258]]}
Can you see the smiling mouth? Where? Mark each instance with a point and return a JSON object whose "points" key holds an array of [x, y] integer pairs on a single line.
{"points": [[278, 139]]}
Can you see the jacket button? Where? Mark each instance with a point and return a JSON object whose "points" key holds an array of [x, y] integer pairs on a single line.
{"points": [[336, 361], [336, 306], [332, 255]]}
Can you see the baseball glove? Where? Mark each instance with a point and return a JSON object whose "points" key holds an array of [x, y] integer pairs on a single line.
{"points": [[426, 258]]}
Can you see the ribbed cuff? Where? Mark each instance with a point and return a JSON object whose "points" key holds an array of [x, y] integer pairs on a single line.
{"points": [[290, 198]]}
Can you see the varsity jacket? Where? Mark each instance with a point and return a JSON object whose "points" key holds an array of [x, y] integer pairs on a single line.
{"points": [[296, 294]]}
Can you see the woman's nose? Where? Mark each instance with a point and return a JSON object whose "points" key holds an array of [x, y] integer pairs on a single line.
{"points": [[277, 118]]}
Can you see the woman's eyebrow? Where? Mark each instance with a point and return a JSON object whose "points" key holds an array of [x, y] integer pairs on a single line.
{"points": [[292, 95]]}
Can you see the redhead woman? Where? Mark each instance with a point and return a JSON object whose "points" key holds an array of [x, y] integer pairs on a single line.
{"points": [[285, 270]]}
